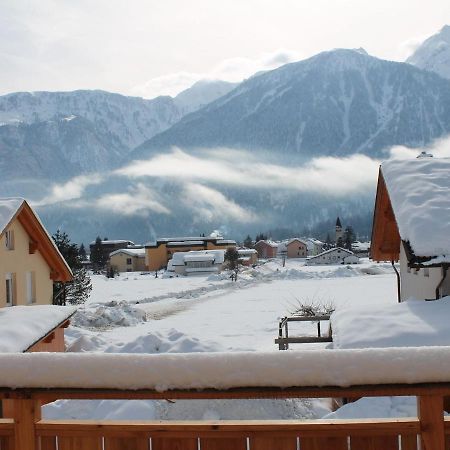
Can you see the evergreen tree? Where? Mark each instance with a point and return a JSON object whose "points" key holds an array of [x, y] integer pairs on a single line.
{"points": [[82, 252], [349, 238], [261, 237], [98, 257], [78, 290], [248, 242], [232, 257], [328, 242]]}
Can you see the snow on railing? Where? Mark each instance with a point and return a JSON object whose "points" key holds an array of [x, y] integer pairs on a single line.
{"points": [[164, 372]]}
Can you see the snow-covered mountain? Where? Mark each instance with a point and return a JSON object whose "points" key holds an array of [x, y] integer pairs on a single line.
{"points": [[202, 93], [62, 134], [434, 53], [336, 103]]}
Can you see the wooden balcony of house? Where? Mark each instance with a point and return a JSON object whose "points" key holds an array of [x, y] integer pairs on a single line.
{"points": [[73, 376]]}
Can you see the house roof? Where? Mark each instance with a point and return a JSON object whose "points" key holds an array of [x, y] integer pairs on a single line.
{"points": [[268, 242], [18, 208], [114, 242], [331, 250], [23, 326], [413, 206], [140, 252]]}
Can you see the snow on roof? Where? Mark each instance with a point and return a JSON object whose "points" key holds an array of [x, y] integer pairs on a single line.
{"points": [[226, 241], [8, 208], [199, 257], [331, 250], [361, 246], [114, 241], [164, 372], [419, 190], [23, 326], [408, 324], [269, 243], [247, 251], [140, 252]]}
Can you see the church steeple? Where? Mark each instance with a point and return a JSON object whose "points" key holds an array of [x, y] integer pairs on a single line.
{"points": [[339, 232]]}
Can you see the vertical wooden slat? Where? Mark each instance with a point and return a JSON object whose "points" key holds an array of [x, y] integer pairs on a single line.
{"points": [[114, 443], [329, 443], [374, 443], [80, 443], [409, 442], [430, 410], [48, 443], [174, 444], [6, 443], [267, 443], [26, 414], [223, 444]]}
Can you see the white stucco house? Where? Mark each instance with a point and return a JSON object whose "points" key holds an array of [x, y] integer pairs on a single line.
{"points": [[196, 262], [336, 255], [411, 224]]}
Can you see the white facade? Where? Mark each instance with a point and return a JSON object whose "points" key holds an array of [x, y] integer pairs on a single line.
{"points": [[332, 256], [314, 246], [421, 283], [195, 262]]}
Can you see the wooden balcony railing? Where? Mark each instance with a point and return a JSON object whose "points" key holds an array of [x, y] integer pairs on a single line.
{"points": [[26, 430]]}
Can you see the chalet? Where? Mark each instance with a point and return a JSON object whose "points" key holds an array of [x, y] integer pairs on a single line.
{"points": [[336, 255], [108, 246], [293, 248], [29, 260], [196, 262], [158, 254], [314, 246], [128, 260], [247, 256], [266, 249], [411, 224]]}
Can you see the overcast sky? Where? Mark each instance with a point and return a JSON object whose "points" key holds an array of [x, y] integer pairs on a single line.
{"points": [[159, 47]]}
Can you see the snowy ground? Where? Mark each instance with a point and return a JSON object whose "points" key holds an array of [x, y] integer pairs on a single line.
{"points": [[137, 313]]}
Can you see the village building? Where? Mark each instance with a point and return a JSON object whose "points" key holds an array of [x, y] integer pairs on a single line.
{"points": [[247, 256], [314, 246], [293, 248], [158, 254], [128, 260], [336, 255], [107, 246], [29, 260], [411, 224], [196, 262], [266, 249]]}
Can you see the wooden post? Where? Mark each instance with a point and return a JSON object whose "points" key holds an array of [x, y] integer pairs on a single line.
{"points": [[430, 410], [26, 413]]}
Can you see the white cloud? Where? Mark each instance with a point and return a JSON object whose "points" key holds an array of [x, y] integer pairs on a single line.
{"points": [[211, 204], [333, 176], [71, 190], [408, 47], [231, 69], [141, 201], [439, 149]]}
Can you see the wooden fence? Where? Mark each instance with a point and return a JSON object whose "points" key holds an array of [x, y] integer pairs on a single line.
{"points": [[26, 430]]}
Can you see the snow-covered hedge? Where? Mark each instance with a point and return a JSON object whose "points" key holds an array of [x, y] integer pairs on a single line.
{"points": [[226, 370]]}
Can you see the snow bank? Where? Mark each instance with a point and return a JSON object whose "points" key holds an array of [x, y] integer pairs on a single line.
{"points": [[173, 341], [112, 314], [376, 408], [419, 192], [226, 370], [408, 324], [23, 326]]}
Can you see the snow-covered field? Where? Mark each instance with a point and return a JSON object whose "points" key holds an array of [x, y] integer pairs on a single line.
{"points": [[138, 313]]}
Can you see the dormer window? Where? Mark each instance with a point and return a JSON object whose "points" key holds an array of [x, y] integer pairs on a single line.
{"points": [[9, 239]]}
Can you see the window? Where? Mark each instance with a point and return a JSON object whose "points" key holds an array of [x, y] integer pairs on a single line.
{"points": [[31, 287], [129, 262], [426, 272], [9, 239], [10, 300]]}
